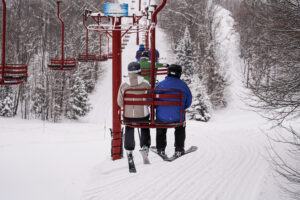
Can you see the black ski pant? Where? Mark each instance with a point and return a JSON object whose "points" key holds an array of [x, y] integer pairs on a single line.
{"points": [[161, 138], [145, 138]]}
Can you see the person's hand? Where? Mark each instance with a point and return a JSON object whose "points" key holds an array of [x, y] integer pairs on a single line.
{"points": [[166, 65]]}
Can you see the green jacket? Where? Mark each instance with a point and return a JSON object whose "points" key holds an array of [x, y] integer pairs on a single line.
{"points": [[146, 67]]}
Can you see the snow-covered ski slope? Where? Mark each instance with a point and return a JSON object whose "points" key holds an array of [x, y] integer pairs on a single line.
{"points": [[71, 160], [230, 163]]}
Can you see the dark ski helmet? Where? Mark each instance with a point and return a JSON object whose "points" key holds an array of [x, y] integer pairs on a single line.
{"points": [[145, 54], [134, 68], [174, 70]]}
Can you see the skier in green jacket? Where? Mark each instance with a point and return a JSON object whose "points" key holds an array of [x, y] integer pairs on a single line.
{"points": [[146, 65]]}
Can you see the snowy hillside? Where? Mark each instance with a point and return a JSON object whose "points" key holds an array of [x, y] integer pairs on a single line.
{"points": [[71, 161]]}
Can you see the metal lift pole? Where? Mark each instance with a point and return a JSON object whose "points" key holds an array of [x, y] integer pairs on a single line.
{"points": [[100, 38], [86, 37], [62, 31], [138, 21], [140, 5], [3, 40], [116, 82], [152, 30], [107, 44]]}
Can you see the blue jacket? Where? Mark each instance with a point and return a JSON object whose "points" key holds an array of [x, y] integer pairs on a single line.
{"points": [[172, 113], [139, 53], [156, 55]]}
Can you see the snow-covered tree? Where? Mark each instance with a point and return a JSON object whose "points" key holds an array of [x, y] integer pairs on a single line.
{"points": [[216, 83], [270, 41], [185, 56], [201, 106], [7, 107], [38, 99], [79, 105]]}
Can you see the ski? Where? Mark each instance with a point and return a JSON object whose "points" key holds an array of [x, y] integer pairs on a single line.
{"points": [[154, 150], [131, 164], [189, 150], [144, 153]]}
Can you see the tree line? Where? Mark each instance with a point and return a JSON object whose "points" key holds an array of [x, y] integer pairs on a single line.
{"points": [[270, 47]]}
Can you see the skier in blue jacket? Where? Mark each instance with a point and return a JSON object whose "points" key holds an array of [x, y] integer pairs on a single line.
{"points": [[172, 113], [140, 52]]}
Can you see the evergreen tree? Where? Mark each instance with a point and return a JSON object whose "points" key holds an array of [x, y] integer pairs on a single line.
{"points": [[201, 105], [185, 56], [7, 107], [7, 104], [79, 105]]}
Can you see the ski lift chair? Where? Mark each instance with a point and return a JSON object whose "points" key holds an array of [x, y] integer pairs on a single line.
{"points": [[11, 74], [147, 97], [63, 64], [87, 57]]}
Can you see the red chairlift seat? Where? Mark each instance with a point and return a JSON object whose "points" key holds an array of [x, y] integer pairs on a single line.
{"points": [[62, 64], [14, 74], [149, 98], [87, 58]]}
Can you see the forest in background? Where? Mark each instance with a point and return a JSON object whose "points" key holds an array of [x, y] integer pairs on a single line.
{"points": [[270, 48], [33, 36]]}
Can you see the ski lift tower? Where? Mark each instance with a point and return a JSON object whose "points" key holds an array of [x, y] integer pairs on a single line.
{"points": [[116, 23]]}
